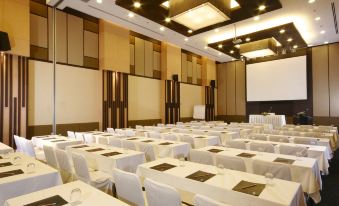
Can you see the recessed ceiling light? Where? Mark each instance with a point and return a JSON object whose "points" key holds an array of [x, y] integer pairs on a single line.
{"points": [[99, 1], [233, 59], [220, 46], [282, 31], [231, 51], [206, 47], [289, 39], [326, 42], [216, 30], [130, 15], [248, 39], [317, 18], [262, 7], [237, 46], [295, 46], [168, 19], [256, 18], [219, 53], [322, 32], [190, 31], [234, 4], [137, 4], [162, 28], [166, 4], [186, 39], [311, 1]]}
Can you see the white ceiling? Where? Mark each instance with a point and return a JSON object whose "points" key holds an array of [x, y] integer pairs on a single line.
{"points": [[300, 12]]}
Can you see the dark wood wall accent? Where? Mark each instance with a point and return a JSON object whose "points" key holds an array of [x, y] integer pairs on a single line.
{"points": [[191, 68], [209, 103], [115, 99], [172, 101], [13, 97]]}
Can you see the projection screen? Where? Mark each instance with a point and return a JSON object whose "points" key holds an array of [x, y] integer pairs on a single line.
{"points": [[283, 79]]}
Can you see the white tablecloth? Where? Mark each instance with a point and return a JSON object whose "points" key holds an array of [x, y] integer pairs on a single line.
{"points": [[303, 170], [220, 186], [55, 141], [13, 186], [89, 196], [4, 149], [275, 120], [199, 140], [128, 160], [318, 152]]}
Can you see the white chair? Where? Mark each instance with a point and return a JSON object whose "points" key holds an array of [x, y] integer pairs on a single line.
{"points": [[170, 137], [50, 156], [96, 179], [148, 150], [65, 166], [155, 135], [115, 142], [29, 150], [237, 144], [89, 139], [261, 147], [230, 162], [110, 130], [102, 140], [188, 139], [120, 131], [278, 170], [214, 133], [305, 140], [200, 200], [128, 188], [79, 136], [202, 157], [128, 145], [19, 147], [262, 137], [70, 134], [160, 125], [129, 133], [293, 150], [159, 194], [279, 138], [139, 127]]}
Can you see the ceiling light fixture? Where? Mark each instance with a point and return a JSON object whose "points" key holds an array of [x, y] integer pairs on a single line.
{"points": [[282, 31], [322, 32], [237, 46], [289, 39], [311, 1], [262, 8], [99, 1], [260, 48], [168, 20], [295, 46], [326, 42], [162, 28], [220, 46], [190, 31], [231, 51], [248, 39], [317, 18], [256, 18], [186, 39], [137, 4], [130, 15], [216, 30], [166, 4]]}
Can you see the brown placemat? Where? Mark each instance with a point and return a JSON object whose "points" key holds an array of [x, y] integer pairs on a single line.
{"points": [[81, 146], [107, 135], [200, 137], [95, 150], [200, 176], [215, 150], [97, 133], [249, 188], [44, 136], [166, 143], [49, 138], [284, 160], [59, 140], [147, 141], [163, 167], [11, 173], [6, 164], [134, 138], [111, 154], [246, 141], [247, 155], [50, 201]]}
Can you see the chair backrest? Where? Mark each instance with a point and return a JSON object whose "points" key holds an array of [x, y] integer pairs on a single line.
{"points": [[79, 136], [128, 187], [139, 127], [70, 134], [188, 139], [110, 130], [120, 131], [230, 162], [148, 150], [50, 156], [63, 161], [306, 140], [19, 147], [279, 138], [102, 140], [128, 144], [200, 200], [81, 167], [278, 170], [160, 125], [115, 142], [185, 131], [160, 194], [129, 133], [170, 137], [89, 138], [28, 147], [237, 144], [261, 147], [259, 137], [156, 135], [293, 150], [202, 157]]}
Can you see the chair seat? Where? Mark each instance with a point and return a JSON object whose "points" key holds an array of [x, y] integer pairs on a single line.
{"points": [[100, 177]]}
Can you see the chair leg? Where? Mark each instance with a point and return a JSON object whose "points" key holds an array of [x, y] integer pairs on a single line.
{"points": [[114, 191]]}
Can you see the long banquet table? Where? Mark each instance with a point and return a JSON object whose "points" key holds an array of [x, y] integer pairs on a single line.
{"points": [[275, 120], [198, 140], [55, 141], [220, 185]]}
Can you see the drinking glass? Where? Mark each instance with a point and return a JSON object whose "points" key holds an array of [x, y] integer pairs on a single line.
{"points": [[30, 167], [182, 161], [220, 168], [269, 178], [75, 197], [16, 160]]}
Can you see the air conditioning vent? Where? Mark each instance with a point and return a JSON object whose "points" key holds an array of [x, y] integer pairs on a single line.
{"points": [[334, 17]]}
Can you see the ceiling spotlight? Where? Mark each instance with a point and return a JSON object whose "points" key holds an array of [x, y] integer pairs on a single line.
{"points": [[190, 31], [317, 18], [289, 39], [326, 42], [166, 4], [220, 46], [130, 15], [295, 46], [248, 39], [262, 7], [99, 1], [186, 39], [168, 19], [162, 28], [219, 53], [206, 47], [282, 31], [256, 18], [311, 1], [231, 51], [237, 46], [137, 4], [233, 59], [310, 45], [322, 32], [216, 30]]}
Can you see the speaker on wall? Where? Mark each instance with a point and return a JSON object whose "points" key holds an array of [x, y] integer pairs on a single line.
{"points": [[175, 77], [212, 83]]}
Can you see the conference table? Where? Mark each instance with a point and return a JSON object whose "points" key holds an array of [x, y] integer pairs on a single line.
{"points": [[21, 174], [5, 149], [61, 194], [227, 186], [55, 141], [320, 153], [105, 158], [303, 170], [199, 141], [275, 120]]}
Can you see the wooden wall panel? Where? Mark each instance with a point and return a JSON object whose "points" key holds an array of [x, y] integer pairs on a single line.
{"points": [[189, 72], [184, 67], [139, 56], [194, 70], [240, 88], [230, 88], [148, 59], [172, 101], [334, 79], [38, 31], [61, 36], [320, 81], [222, 92], [75, 47], [91, 46], [156, 61]]}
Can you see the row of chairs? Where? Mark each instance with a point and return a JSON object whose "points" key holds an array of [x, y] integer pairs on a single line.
{"points": [[284, 138], [280, 171], [26, 146]]}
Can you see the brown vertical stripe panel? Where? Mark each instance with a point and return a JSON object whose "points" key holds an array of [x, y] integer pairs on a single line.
{"points": [[19, 95], [10, 96], [15, 127], [6, 64], [2, 63]]}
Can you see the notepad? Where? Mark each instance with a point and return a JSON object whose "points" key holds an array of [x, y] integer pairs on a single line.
{"points": [[249, 188], [54, 200], [163, 167], [200, 176]]}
